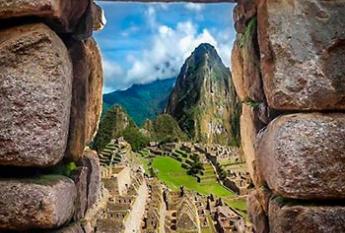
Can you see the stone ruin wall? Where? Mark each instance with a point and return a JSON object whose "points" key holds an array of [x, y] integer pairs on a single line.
{"points": [[50, 102], [288, 65]]}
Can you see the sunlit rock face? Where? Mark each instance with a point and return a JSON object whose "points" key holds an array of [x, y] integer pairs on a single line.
{"points": [[302, 156], [35, 96], [204, 101], [302, 45]]}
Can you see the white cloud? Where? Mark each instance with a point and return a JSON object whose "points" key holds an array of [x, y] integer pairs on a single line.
{"points": [[165, 53], [194, 7]]}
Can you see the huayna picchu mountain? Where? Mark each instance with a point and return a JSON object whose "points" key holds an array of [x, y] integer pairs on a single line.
{"points": [[204, 101]]}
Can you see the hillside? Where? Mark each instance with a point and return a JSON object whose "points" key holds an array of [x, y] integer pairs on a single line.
{"points": [[141, 101], [204, 101]]}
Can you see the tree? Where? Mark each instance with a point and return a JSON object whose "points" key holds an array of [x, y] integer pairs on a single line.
{"points": [[135, 138]]}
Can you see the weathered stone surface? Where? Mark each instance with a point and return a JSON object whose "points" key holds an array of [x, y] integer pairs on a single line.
{"points": [[35, 96], [95, 97], [250, 126], [245, 65], [91, 161], [80, 179], [77, 127], [63, 15], [99, 19], [87, 96], [300, 218], [256, 213], [73, 228], [302, 44], [302, 156], [44, 202], [243, 12]]}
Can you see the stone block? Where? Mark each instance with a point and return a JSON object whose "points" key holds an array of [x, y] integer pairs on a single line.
{"points": [[294, 217], [35, 96], [87, 96], [302, 156], [95, 96], [72, 228], [245, 65], [44, 202], [302, 45], [91, 161], [250, 126], [256, 212], [64, 16], [243, 12], [99, 19], [80, 179]]}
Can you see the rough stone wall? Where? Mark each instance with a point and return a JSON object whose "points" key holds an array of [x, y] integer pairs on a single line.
{"points": [[288, 65], [50, 103]]}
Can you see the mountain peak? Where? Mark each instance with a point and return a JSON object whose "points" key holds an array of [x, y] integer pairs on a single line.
{"points": [[206, 51]]}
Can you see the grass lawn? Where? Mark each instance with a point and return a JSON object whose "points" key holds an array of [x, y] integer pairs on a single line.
{"points": [[173, 175]]}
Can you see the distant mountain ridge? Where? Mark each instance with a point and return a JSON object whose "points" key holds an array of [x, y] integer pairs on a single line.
{"points": [[141, 101]]}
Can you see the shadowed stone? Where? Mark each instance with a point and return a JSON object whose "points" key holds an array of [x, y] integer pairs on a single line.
{"points": [[250, 126], [302, 156], [245, 65], [292, 217], [256, 212], [80, 179], [44, 202], [35, 96], [77, 127], [91, 161], [63, 15], [73, 228], [87, 96], [95, 97], [302, 45]]}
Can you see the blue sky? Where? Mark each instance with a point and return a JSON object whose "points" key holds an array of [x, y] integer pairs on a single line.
{"points": [[142, 42]]}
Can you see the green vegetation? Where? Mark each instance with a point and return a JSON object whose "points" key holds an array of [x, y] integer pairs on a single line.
{"points": [[252, 103], [174, 176], [248, 34], [143, 101], [112, 124], [64, 169], [166, 129], [135, 138]]}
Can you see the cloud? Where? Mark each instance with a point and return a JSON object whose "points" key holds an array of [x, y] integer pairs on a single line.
{"points": [[113, 73], [194, 6], [166, 50]]}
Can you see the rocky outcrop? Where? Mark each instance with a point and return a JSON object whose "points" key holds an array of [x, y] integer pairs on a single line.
{"points": [[204, 101], [35, 96], [302, 47], [293, 217], [44, 202], [302, 155]]}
